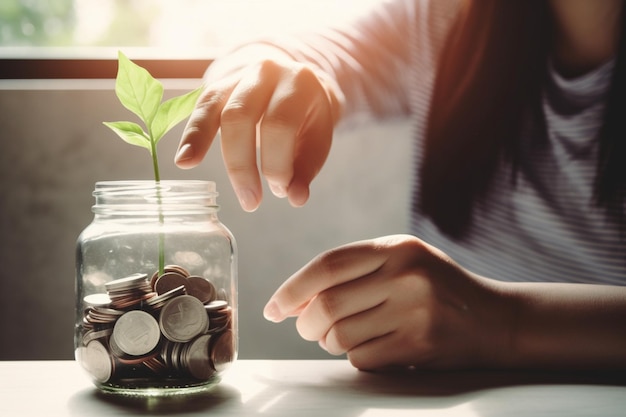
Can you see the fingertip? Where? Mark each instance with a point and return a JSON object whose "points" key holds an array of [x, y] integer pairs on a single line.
{"points": [[298, 194], [322, 344], [248, 199], [272, 313], [184, 156]]}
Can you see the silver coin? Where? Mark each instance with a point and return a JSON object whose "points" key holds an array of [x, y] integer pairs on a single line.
{"points": [[95, 335], [183, 318], [197, 359], [131, 281], [97, 300], [136, 332], [216, 305], [96, 361]]}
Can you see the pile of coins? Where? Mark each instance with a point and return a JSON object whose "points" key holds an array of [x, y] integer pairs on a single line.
{"points": [[173, 327]]}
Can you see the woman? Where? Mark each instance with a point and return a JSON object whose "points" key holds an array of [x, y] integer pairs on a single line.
{"points": [[518, 253]]}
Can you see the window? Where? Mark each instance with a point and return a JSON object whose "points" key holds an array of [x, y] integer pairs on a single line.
{"points": [[79, 38]]}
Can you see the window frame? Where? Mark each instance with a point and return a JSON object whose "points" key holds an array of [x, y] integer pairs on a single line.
{"points": [[96, 68]]}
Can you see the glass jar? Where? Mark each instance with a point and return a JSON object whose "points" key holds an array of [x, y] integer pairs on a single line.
{"points": [[156, 286]]}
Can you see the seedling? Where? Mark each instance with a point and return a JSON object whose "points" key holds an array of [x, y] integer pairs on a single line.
{"points": [[142, 94]]}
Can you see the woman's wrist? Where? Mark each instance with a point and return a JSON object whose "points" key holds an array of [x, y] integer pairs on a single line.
{"points": [[561, 326]]}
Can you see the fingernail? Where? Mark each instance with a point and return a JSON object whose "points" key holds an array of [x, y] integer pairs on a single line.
{"points": [[278, 190], [271, 312], [184, 153], [247, 199], [299, 195], [322, 343]]}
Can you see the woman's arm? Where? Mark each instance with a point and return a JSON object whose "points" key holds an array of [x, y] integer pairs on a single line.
{"points": [[396, 301], [567, 326]]}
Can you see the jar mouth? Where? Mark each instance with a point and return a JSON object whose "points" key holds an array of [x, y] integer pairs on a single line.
{"points": [[146, 195], [134, 187]]}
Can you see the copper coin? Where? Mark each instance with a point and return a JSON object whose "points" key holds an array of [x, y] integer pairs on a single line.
{"points": [[168, 281], [155, 365], [223, 351], [176, 268], [153, 279], [201, 288]]}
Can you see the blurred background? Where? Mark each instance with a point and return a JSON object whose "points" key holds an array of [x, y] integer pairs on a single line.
{"points": [[53, 148]]}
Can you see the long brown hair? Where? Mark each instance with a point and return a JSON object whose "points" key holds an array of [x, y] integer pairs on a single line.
{"points": [[489, 84]]}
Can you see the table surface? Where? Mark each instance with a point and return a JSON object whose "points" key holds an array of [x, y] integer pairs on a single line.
{"points": [[320, 388]]}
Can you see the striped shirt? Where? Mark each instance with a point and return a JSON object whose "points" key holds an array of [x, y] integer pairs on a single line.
{"points": [[545, 228]]}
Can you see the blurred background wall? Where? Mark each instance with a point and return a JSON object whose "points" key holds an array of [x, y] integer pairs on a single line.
{"points": [[53, 148]]}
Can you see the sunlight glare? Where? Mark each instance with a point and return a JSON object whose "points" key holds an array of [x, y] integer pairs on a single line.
{"points": [[463, 410]]}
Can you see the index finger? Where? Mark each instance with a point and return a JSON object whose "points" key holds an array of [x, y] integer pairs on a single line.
{"points": [[327, 270]]}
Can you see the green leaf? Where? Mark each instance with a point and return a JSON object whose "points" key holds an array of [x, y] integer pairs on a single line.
{"points": [[137, 90], [131, 133], [172, 112]]}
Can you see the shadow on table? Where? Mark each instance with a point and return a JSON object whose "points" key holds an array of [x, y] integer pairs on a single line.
{"points": [[444, 394], [352, 393], [437, 383]]}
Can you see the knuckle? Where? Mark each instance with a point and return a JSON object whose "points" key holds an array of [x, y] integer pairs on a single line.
{"points": [[234, 113], [211, 101], [341, 340], [267, 66], [328, 305], [330, 262], [277, 173], [305, 77], [279, 122]]}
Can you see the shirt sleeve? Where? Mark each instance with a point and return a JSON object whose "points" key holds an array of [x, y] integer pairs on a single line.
{"points": [[367, 57]]}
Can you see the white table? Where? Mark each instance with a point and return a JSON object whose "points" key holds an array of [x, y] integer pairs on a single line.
{"points": [[319, 388]]}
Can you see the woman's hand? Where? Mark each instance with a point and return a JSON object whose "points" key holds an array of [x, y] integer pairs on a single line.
{"points": [[395, 301], [289, 104]]}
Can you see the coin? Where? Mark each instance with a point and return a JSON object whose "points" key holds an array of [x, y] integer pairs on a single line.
{"points": [[95, 359], [97, 300], [136, 332], [94, 335], [216, 305], [183, 318], [176, 268], [223, 351], [155, 365], [131, 281], [220, 320], [168, 281], [196, 357], [201, 288], [158, 301], [195, 319]]}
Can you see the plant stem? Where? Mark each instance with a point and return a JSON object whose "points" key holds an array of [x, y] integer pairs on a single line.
{"points": [[157, 180]]}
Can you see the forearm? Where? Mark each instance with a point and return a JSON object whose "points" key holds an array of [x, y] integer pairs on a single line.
{"points": [[566, 326]]}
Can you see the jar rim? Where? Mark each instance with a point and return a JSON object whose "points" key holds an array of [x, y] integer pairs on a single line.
{"points": [[172, 196], [124, 187]]}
